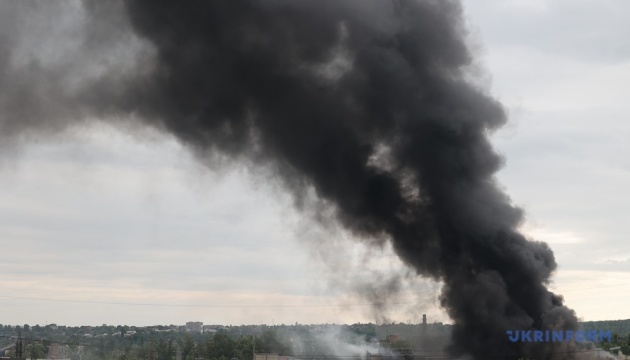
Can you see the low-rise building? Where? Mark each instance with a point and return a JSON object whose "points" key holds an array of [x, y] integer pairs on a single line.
{"points": [[266, 356], [57, 351], [194, 326]]}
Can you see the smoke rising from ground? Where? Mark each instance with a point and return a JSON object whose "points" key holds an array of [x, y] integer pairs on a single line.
{"points": [[364, 102], [334, 341]]}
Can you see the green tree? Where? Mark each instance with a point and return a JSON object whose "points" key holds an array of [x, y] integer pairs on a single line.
{"points": [[187, 347], [35, 351], [164, 349], [270, 343], [220, 346], [244, 348]]}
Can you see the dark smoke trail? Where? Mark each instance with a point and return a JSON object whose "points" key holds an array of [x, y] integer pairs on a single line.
{"points": [[363, 100]]}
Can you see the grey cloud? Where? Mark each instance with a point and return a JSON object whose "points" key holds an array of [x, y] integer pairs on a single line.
{"points": [[585, 29]]}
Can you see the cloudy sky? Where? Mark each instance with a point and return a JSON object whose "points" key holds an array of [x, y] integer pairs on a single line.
{"points": [[100, 226]]}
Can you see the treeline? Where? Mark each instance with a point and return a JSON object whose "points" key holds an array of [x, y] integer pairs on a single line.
{"points": [[219, 346], [172, 342], [620, 330], [619, 327], [163, 346]]}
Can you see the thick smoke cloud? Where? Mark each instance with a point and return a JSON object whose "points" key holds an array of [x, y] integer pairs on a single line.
{"points": [[364, 101]]}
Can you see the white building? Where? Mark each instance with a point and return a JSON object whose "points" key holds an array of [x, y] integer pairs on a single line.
{"points": [[194, 326]]}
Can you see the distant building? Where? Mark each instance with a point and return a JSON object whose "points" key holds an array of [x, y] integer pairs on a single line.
{"points": [[56, 351], [194, 326], [209, 329]]}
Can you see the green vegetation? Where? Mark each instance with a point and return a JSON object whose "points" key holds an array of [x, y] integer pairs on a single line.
{"points": [[170, 342], [217, 343], [35, 351], [620, 327], [147, 343], [620, 330]]}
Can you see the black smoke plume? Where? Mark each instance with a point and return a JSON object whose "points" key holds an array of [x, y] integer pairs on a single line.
{"points": [[365, 101]]}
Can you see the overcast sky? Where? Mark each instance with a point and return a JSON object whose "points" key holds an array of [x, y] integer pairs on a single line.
{"points": [[99, 226]]}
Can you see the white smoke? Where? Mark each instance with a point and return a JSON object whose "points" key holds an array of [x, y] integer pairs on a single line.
{"points": [[334, 340]]}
